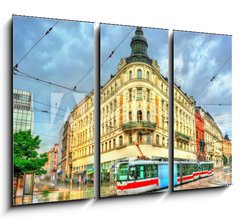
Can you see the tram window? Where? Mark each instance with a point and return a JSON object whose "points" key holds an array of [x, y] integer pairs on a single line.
{"points": [[151, 171], [132, 172], [123, 172], [140, 173], [187, 169], [155, 171], [178, 169], [195, 167]]}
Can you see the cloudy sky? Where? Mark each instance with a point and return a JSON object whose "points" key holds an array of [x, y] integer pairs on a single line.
{"points": [[198, 57], [64, 56], [114, 35]]}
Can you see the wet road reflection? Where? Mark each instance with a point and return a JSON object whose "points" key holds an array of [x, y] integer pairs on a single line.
{"points": [[109, 190], [63, 192], [222, 177]]}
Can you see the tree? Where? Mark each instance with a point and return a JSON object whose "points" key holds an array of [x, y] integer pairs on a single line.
{"points": [[26, 159]]}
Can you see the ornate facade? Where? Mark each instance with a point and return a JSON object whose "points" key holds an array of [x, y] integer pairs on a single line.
{"points": [[184, 126], [82, 145], [134, 108], [213, 139], [227, 150], [200, 140]]}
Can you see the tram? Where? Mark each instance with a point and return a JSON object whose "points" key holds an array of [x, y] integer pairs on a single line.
{"points": [[139, 176], [135, 176], [186, 171]]}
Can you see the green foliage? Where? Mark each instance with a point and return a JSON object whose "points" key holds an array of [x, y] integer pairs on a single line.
{"points": [[45, 193], [225, 160], [25, 156]]}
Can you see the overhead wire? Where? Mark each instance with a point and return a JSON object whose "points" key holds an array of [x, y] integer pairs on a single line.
{"points": [[34, 45], [25, 75], [213, 78]]}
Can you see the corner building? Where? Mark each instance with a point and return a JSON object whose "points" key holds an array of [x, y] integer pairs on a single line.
{"points": [[134, 108]]}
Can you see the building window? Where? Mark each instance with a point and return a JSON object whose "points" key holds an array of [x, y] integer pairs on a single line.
{"points": [[139, 94], [157, 139], [139, 137], [163, 141], [130, 95], [120, 140], [148, 95], [130, 75], [148, 138], [139, 74], [110, 145], [148, 116], [130, 138], [139, 115], [114, 143], [147, 75], [130, 116], [105, 146]]}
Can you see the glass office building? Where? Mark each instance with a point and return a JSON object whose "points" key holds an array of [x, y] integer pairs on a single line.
{"points": [[22, 110]]}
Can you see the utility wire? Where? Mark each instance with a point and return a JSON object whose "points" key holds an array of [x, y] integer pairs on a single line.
{"points": [[22, 74], [111, 54], [214, 76], [47, 112], [49, 106], [46, 33]]}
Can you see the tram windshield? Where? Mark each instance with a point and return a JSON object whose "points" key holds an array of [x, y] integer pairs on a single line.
{"points": [[122, 172]]}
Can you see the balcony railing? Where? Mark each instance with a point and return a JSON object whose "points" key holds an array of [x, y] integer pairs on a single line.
{"points": [[182, 136], [139, 125]]}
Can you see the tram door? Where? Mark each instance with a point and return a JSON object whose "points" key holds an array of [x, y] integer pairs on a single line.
{"points": [[163, 175], [175, 173]]}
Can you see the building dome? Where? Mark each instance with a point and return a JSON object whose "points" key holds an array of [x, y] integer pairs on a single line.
{"points": [[139, 47]]}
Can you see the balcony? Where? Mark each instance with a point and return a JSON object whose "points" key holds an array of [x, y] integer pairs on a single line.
{"points": [[139, 125], [182, 136]]}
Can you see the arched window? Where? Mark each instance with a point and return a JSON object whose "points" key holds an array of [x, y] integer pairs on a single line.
{"points": [[110, 145], [120, 140], [157, 139], [148, 116], [130, 116], [130, 138], [105, 146], [114, 143], [147, 75], [139, 74], [130, 75], [163, 141], [139, 115]]}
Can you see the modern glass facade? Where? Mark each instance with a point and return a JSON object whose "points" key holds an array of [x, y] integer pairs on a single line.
{"points": [[22, 110]]}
